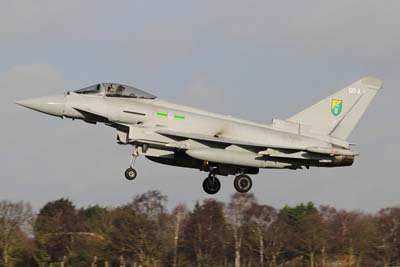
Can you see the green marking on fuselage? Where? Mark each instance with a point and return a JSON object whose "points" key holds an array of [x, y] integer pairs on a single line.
{"points": [[179, 117], [162, 114]]}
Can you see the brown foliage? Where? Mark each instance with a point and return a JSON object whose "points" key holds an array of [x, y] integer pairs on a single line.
{"points": [[242, 232]]}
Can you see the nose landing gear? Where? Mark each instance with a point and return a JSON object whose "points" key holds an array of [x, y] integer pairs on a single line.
{"points": [[131, 173]]}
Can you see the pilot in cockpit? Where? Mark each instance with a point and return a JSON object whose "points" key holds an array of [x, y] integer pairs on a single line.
{"points": [[111, 89]]}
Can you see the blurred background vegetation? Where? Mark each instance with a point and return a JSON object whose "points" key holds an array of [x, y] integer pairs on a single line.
{"points": [[242, 232]]}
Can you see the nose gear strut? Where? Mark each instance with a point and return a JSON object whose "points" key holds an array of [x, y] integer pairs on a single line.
{"points": [[131, 173]]}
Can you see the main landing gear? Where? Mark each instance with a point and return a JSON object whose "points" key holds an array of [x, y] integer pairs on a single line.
{"points": [[212, 185], [131, 173], [242, 183]]}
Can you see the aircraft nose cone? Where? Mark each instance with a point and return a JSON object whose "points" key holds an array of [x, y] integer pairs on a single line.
{"points": [[52, 105]]}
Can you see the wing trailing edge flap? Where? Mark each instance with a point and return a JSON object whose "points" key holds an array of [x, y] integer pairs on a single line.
{"points": [[275, 153]]}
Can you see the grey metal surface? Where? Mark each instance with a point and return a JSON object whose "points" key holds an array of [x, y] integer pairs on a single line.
{"points": [[177, 135]]}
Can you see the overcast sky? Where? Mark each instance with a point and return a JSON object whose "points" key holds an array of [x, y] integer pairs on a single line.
{"points": [[255, 60]]}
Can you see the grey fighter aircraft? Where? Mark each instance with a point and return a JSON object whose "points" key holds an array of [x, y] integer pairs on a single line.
{"points": [[182, 136]]}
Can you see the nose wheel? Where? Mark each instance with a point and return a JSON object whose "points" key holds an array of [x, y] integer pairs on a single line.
{"points": [[130, 174], [211, 185], [242, 183]]}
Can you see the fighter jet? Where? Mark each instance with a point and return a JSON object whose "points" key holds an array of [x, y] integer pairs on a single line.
{"points": [[182, 136]]}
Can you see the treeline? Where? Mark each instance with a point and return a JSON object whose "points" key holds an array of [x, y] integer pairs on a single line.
{"points": [[242, 232]]}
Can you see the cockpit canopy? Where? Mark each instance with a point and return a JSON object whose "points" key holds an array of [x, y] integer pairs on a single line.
{"points": [[115, 90]]}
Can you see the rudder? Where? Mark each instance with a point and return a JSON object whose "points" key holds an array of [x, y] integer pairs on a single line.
{"points": [[338, 114]]}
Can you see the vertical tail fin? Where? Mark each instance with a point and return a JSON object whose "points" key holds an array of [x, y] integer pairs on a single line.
{"points": [[338, 114]]}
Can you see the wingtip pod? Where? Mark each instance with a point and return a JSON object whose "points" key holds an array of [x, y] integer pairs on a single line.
{"points": [[372, 82]]}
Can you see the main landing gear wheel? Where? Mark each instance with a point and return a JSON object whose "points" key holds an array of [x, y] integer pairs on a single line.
{"points": [[130, 174], [242, 183], [211, 185]]}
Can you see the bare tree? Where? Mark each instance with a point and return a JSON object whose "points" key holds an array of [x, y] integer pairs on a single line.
{"points": [[259, 219], [15, 218], [389, 228], [151, 203], [205, 234], [327, 214], [357, 235], [311, 236], [278, 235], [236, 211], [179, 215]]}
